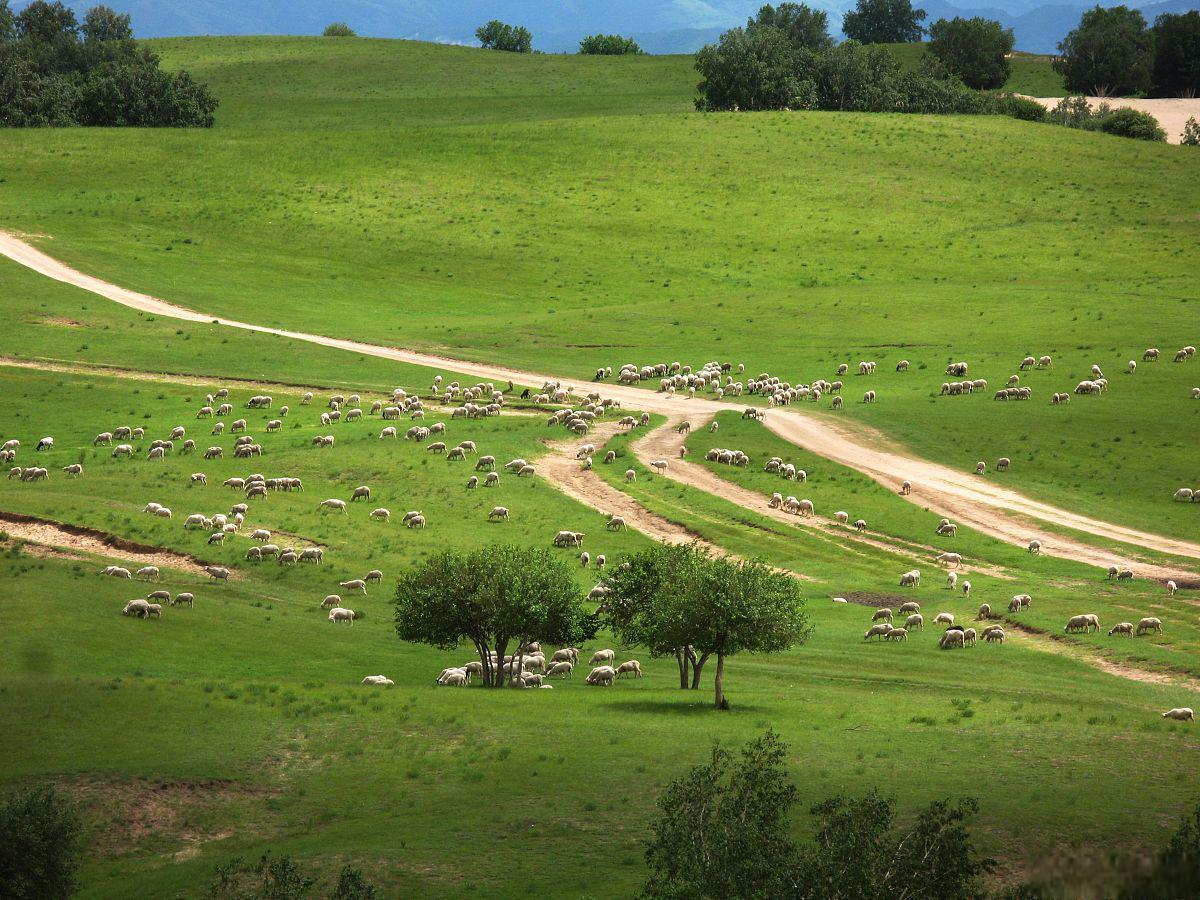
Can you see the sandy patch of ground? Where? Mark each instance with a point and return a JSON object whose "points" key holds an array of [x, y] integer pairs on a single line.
{"points": [[1172, 112]]}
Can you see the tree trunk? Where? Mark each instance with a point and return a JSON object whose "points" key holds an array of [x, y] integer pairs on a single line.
{"points": [[681, 659], [498, 679], [698, 668], [721, 702]]}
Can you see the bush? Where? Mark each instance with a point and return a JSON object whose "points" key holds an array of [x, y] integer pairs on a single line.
{"points": [[39, 846], [1023, 108], [1072, 112], [1191, 133], [1132, 123], [338, 29], [975, 50], [749, 69], [497, 35], [608, 45], [1175, 872], [1109, 54]]}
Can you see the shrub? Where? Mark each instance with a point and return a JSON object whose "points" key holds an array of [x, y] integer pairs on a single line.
{"points": [[39, 846], [497, 35], [749, 69], [338, 29], [1191, 133], [975, 50], [1023, 108], [1132, 123], [1073, 112], [608, 45]]}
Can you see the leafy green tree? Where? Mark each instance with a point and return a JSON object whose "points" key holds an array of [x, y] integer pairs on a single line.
{"points": [[497, 35], [723, 827], [338, 29], [1111, 53], [48, 37], [682, 600], [102, 23], [608, 45], [39, 846], [975, 50], [803, 26], [8, 23], [884, 22], [1175, 873], [1177, 54], [749, 69], [494, 596]]}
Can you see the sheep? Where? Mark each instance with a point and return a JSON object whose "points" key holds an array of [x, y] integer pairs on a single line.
{"points": [[948, 529], [491, 479], [630, 475], [217, 537], [1172, 587], [378, 681], [909, 606], [884, 613], [254, 554], [860, 525], [659, 464], [905, 488], [417, 521], [602, 675], [1125, 575], [339, 505], [916, 620], [217, 573], [287, 557], [339, 614], [1027, 362], [214, 453], [902, 365], [356, 584], [561, 669], [985, 612], [980, 467], [375, 575], [600, 561], [1112, 571], [185, 597], [631, 666], [841, 515], [943, 618], [73, 470], [616, 523], [485, 462], [805, 508], [498, 512], [966, 588], [388, 432], [361, 493], [952, 637], [949, 559], [1151, 354], [910, 579], [993, 634], [125, 450], [1182, 714], [1131, 366], [896, 634], [410, 515], [1034, 547], [566, 654], [600, 657], [1081, 623], [969, 636], [1150, 623], [879, 631], [1125, 628], [331, 601], [524, 471], [312, 554], [1003, 463], [138, 607], [163, 512], [869, 397]]}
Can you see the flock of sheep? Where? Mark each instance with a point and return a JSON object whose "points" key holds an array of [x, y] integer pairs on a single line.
{"points": [[529, 668]]}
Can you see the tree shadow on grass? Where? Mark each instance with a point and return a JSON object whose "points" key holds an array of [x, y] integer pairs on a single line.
{"points": [[690, 706]]}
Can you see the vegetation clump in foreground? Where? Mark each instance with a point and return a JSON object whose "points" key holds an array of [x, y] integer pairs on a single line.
{"points": [[56, 72]]}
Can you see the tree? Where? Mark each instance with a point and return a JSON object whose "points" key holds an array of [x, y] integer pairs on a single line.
{"points": [[8, 23], [101, 23], [1176, 870], [749, 69], [39, 846], [492, 597], [884, 22], [608, 45], [1190, 137], [1111, 53], [1177, 55], [682, 600], [497, 35], [723, 827], [338, 29], [803, 26], [975, 50], [48, 37]]}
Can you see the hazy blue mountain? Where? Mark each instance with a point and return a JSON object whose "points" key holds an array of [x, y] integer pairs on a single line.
{"points": [[661, 26]]}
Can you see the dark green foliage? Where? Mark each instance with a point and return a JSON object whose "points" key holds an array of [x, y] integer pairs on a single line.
{"points": [[1072, 112], [54, 71], [751, 69], [493, 596], [1133, 123], [803, 26], [353, 886], [497, 35], [723, 827], [608, 45], [1191, 133], [884, 22], [1023, 108], [281, 878], [724, 831], [1175, 873], [1110, 53], [39, 846], [338, 29], [974, 50], [1177, 54]]}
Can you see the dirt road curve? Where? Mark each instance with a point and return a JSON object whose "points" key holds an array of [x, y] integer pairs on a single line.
{"points": [[964, 497]]}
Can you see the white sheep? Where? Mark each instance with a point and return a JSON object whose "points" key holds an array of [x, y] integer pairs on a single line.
{"points": [[1035, 547], [601, 657], [340, 614], [879, 631], [1182, 714], [1150, 623], [339, 505], [378, 680], [943, 618], [498, 512], [602, 675]]}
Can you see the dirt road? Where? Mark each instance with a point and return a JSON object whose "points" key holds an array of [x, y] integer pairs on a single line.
{"points": [[961, 496]]}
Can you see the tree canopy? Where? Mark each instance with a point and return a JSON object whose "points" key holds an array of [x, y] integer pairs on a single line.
{"points": [[1177, 55], [497, 35], [39, 845], [56, 71], [975, 50], [884, 22], [608, 45], [338, 29], [1111, 53], [497, 595], [801, 25]]}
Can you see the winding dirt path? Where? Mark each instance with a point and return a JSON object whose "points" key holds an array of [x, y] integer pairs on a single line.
{"points": [[967, 498]]}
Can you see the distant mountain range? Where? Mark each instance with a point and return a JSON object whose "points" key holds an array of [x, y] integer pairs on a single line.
{"points": [[660, 26]]}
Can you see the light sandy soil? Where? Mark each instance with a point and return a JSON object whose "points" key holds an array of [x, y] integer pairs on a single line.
{"points": [[962, 496], [1172, 112], [75, 539]]}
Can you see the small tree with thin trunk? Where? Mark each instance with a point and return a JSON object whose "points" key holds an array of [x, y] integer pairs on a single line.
{"points": [[493, 597], [681, 600]]}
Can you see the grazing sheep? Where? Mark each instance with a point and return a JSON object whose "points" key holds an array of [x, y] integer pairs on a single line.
{"points": [[1150, 623], [879, 631], [911, 579], [980, 467], [1086, 623], [631, 666], [389, 432], [600, 657], [73, 470], [616, 523], [841, 515], [985, 612], [916, 620], [217, 537], [1182, 714], [127, 450], [254, 554], [417, 521], [217, 573], [909, 606], [498, 512], [896, 634], [383, 514], [994, 634], [952, 580], [139, 608], [1035, 547], [331, 601], [1125, 628], [952, 638], [491, 479], [185, 597], [869, 397], [117, 572], [966, 588], [199, 478], [163, 512], [602, 675], [943, 618], [339, 614], [860, 525], [906, 488], [361, 493], [948, 529], [378, 680], [630, 475], [1003, 463], [339, 505], [1172, 587], [524, 471], [969, 636], [1125, 575], [949, 559], [885, 614]]}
